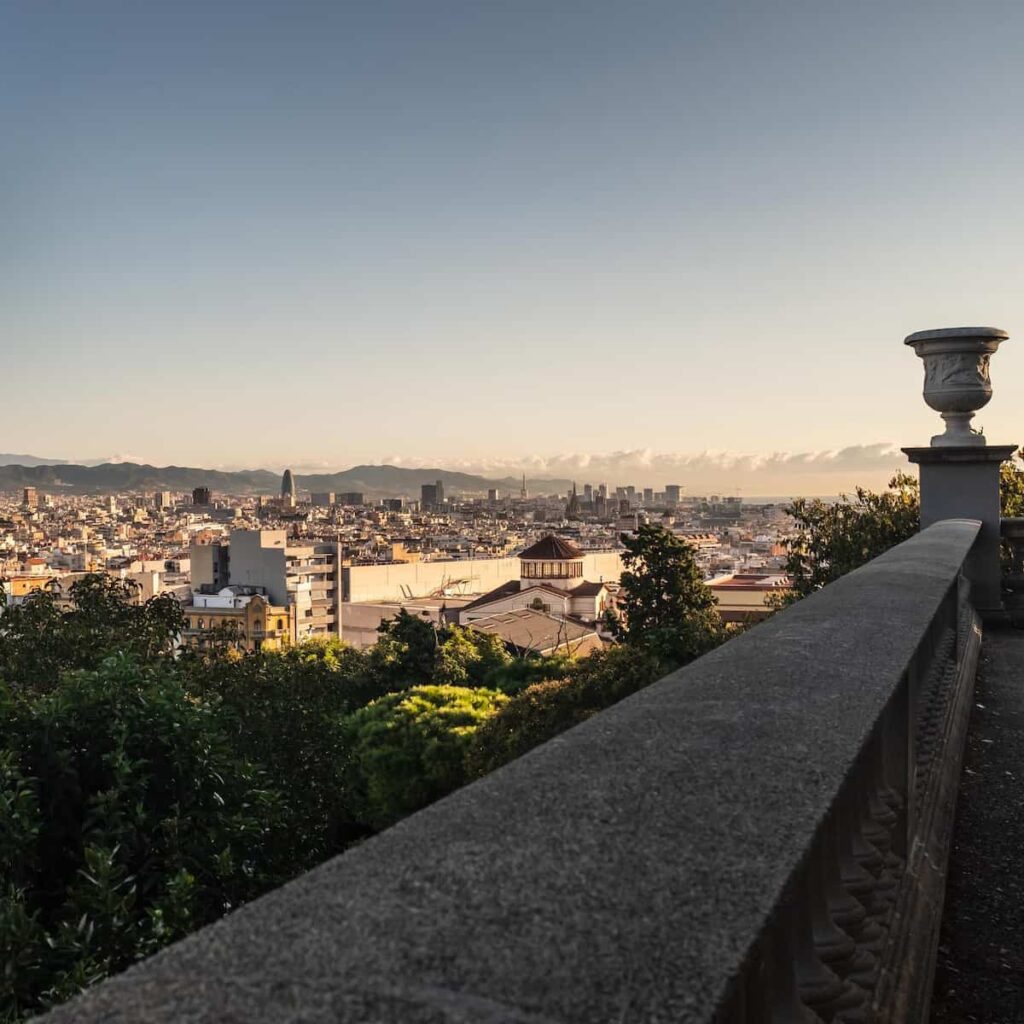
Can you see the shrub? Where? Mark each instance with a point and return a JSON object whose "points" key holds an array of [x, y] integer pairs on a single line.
{"points": [[409, 748], [126, 820], [546, 709]]}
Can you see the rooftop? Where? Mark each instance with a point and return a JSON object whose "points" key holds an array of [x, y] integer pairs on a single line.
{"points": [[552, 548]]}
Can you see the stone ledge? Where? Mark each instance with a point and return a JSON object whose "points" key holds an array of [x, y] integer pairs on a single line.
{"points": [[622, 871]]}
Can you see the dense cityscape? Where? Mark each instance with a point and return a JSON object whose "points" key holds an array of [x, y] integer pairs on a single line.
{"points": [[350, 563], [510, 513]]}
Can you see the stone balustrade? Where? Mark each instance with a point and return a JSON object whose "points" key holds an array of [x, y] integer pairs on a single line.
{"points": [[759, 837]]}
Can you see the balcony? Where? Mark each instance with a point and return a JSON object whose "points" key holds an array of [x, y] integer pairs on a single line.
{"points": [[760, 837]]}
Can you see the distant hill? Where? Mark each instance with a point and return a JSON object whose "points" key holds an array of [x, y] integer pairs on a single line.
{"points": [[395, 480], [28, 460], [373, 481]]}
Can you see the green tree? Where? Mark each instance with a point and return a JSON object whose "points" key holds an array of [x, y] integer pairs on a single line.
{"points": [[409, 748], [126, 819], [664, 604], [832, 539], [545, 709], [45, 636], [468, 658], [1011, 486], [406, 650], [284, 711]]}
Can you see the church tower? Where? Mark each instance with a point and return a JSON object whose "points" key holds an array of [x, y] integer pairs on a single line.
{"points": [[572, 506]]}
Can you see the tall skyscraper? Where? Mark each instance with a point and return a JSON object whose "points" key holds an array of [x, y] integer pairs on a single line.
{"points": [[288, 489], [439, 488], [30, 497], [428, 497], [672, 494], [200, 495]]}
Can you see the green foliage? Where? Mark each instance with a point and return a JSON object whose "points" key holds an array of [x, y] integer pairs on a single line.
{"points": [[413, 651], [406, 651], [40, 639], [546, 709], [468, 658], [144, 792], [283, 710], [409, 748], [1011, 486], [665, 605], [126, 820], [833, 539]]}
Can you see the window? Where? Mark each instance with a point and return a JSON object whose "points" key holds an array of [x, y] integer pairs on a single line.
{"points": [[200, 623], [280, 623]]}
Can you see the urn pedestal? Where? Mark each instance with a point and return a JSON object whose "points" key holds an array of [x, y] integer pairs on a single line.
{"points": [[959, 471], [963, 483]]}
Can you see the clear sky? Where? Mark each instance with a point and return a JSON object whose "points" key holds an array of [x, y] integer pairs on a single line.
{"points": [[323, 233]]}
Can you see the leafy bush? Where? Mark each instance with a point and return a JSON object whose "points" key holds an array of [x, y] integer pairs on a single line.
{"points": [[41, 639], [546, 709], [409, 748], [834, 539], [126, 820], [284, 711]]}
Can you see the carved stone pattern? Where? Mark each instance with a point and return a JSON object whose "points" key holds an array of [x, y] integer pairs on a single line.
{"points": [[957, 369]]}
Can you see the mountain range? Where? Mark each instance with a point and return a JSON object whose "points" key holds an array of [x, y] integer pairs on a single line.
{"points": [[373, 481]]}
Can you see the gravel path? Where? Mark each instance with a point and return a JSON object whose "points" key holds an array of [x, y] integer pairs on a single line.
{"points": [[980, 972]]}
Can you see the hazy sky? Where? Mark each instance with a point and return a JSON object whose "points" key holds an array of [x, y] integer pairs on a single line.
{"points": [[247, 233]]}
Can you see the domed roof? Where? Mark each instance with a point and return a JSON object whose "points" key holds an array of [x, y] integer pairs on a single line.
{"points": [[552, 548]]}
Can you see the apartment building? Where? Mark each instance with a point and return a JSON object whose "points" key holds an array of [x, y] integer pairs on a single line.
{"points": [[242, 614], [302, 576]]}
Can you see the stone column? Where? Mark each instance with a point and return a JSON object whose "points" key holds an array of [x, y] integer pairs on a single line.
{"points": [[963, 483], [959, 470]]}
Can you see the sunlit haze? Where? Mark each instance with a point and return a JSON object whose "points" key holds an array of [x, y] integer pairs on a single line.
{"points": [[645, 242]]}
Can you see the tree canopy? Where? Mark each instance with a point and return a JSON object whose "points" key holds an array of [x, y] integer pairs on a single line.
{"points": [[835, 538], [664, 604]]}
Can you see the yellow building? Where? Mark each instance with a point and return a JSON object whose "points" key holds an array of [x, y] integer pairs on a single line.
{"points": [[17, 588], [253, 623]]}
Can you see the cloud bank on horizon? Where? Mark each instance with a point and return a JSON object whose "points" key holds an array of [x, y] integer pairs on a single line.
{"points": [[825, 471]]}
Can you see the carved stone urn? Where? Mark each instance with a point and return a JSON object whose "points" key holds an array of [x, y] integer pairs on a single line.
{"points": [[956, 381]]}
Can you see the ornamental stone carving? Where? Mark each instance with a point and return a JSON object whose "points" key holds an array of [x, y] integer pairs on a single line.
{"points": [[956, 377]]}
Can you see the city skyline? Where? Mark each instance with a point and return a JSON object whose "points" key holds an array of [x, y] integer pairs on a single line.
{"points": [[802, 473], [459, 234]]}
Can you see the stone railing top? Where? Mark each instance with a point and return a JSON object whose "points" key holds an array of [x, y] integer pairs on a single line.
{"points": [[620, 872]]}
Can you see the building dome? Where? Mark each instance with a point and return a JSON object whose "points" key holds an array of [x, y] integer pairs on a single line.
{"points": [[552, 560]]}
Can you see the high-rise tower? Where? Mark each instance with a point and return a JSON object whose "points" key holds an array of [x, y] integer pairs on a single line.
{"points": [[288, 489]]}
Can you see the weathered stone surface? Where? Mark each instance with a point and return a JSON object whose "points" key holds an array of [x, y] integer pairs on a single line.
{"points": [[964, 483], [620, 872]]}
